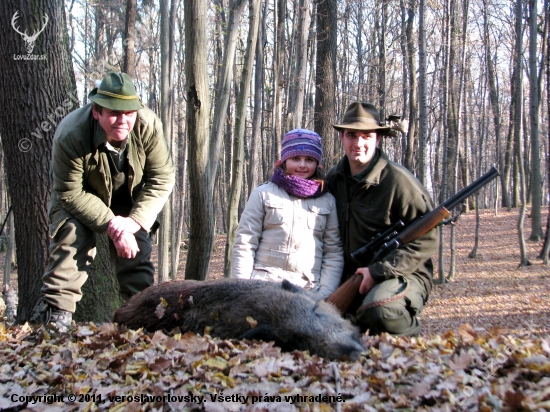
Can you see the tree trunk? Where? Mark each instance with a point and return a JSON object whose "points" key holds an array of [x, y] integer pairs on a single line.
{"points": [[129, 62], [167, 47], [224, 86], [100, 293], [174, 141], [423, 111], [494, 98], [534, 113], [240, 133], [201, 233], [546, 248], [446, 126], [413, 103], [405, 76], [181, 216], [510, 158], [298, 79], [411, 60], [459, 129], [382, 63], [278, 80], [361, 89], [518, 127], [309, 102], [257, 134], [100, 53], [10, 235], [473, 253], [31, 112], [325, 77]]}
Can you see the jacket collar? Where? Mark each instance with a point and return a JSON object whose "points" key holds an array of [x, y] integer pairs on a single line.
{"points": [[99, 137]]}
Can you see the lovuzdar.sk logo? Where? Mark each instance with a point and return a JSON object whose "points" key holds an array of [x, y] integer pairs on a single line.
{"points": [[29, 40]]}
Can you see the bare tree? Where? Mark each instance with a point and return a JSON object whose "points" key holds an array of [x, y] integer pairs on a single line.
{"points": [[168, 13], [494, 98], [518, 120], [129, 63], [278, 80], [534, 115], [43, 86], [546, 247], [298, 79], [240, 132], [410, 136], [423, 111], [223, 87], [325, 77], [10, 236], [201, 233], [447, 121], [257, 118]]}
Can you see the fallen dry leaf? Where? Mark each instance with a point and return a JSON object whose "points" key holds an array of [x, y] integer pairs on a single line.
{"points": [[252, 322], [484, 346]]}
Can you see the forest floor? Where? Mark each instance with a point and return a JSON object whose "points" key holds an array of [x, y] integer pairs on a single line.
{"points": [[485, 345], [488, 291]]}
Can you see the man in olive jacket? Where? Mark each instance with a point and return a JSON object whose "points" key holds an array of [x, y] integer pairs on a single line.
{"points": [[372, 193], [112, 173]]}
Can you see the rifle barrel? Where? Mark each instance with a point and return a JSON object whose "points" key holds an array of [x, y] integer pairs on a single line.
{"points": [[471, 189]]}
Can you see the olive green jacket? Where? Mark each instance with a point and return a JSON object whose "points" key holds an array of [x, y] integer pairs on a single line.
{"points": [[81, 175], [387, 194]]}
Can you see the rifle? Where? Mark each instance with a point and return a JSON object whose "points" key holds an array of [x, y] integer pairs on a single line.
{"points": [[386, 242]]}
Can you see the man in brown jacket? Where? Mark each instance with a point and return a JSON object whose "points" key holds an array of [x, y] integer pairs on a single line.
{"points": [[112, 173], [372, 193]]}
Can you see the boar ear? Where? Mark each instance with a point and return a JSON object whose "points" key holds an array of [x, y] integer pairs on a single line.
{"points": [[316, 297], [291, 287]]}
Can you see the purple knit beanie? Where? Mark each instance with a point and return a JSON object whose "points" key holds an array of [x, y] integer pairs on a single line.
{"points": [[301, 142]]}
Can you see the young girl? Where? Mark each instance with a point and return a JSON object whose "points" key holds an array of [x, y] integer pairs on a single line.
{"points": [[289, 227]]}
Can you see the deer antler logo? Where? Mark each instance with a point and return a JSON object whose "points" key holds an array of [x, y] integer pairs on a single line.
{"points": [[29, 40]]}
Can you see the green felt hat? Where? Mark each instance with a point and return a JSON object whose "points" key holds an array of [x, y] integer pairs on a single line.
{"points": [[116, 92]]}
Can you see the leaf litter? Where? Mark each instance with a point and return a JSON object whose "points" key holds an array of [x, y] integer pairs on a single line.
{"points": [[485, 346]]}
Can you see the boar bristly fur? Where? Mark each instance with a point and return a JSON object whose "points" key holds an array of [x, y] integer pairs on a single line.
{"points": [[245, 309]]}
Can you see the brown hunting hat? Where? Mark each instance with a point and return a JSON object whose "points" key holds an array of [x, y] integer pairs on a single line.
{"points": [[362, 116]]}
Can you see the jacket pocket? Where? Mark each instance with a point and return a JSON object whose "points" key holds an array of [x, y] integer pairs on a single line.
{"points": [[55, 226], [317, 217], [273, 212]]}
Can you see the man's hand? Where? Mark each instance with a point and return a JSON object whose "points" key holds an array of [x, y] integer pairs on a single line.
{"points": [[367, 283], [126, 245], [120, 224]]}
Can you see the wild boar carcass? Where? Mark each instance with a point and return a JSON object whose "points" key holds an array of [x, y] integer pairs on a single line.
{"points": [[245, 309]]}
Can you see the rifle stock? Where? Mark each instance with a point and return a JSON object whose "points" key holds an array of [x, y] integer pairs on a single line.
{"points": [[423, 225], [342, 297]]}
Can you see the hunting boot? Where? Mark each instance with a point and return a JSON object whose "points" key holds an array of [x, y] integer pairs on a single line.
{"points": [[60, 318]]}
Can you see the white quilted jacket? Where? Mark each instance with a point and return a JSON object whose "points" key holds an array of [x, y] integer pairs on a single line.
{"points": [[281, 236]]}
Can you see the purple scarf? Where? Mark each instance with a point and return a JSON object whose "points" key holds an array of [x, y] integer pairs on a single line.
{"points": [[297, 186]]}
